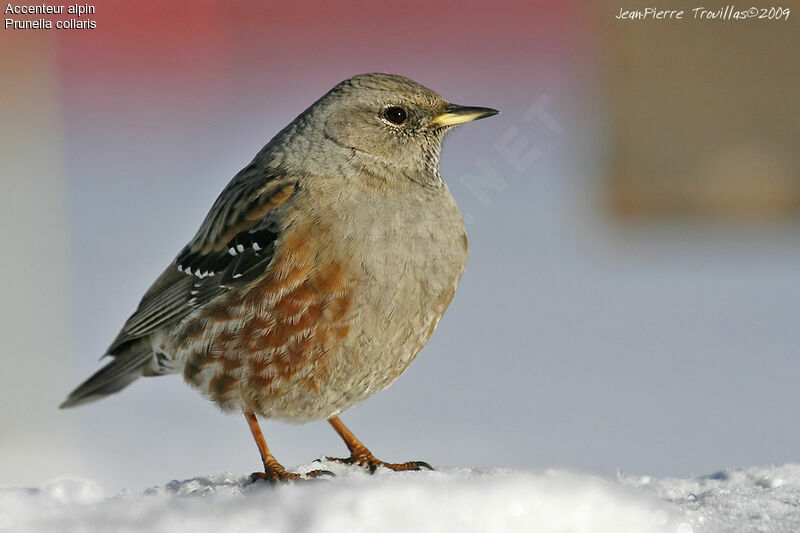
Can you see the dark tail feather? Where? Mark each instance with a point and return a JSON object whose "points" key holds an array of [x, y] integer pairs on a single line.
{"points": [[126, 367]]}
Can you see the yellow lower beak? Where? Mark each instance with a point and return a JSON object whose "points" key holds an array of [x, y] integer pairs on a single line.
{"points": [[456, 114]]}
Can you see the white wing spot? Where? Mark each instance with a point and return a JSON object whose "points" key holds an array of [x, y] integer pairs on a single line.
{"points": [[256, 247], [232, 251], [239, 248]]}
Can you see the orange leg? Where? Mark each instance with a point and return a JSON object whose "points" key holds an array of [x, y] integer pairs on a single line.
{"points": [[361, 456], [273, 470]]}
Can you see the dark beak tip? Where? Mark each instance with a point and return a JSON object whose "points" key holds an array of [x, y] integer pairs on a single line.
{"points": [[482, 112], [487, 112], [465, 109]]}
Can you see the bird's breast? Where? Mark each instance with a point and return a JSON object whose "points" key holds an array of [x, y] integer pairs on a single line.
{"points": [[406, 253]]}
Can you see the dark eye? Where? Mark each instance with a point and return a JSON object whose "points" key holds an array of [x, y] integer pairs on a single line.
{"points": [[395, 115]]}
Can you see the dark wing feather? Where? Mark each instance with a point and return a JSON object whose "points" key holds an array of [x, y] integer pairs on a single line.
{"points": [[237, 236], [252, 194]]}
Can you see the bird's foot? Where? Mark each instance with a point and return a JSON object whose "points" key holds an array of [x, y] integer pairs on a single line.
{"points": [[277, 474], [363, 458]]}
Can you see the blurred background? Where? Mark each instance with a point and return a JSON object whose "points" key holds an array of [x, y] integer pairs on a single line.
{"points": [[630, 297]]}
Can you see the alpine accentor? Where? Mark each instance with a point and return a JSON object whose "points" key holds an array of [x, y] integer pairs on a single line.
{"points": [[320, 271]]}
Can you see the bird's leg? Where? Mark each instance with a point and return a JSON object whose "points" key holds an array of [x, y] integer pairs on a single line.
{"points": [[360, 455], [273, 470]]}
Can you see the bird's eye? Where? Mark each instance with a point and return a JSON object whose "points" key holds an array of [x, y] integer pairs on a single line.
{"points": [[395, 115]]}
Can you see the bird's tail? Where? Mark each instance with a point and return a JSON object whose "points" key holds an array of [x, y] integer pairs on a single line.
{"points": [[127, 365]]}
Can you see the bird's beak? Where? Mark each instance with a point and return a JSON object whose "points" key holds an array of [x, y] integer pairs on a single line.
{"points": [[459, 114]]}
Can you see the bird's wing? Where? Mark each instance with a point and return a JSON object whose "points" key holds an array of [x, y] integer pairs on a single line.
{"points": [[237, 235], [244, 203]]}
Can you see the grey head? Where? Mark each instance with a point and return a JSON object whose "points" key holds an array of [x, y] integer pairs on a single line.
{"points": [[380, 124]]}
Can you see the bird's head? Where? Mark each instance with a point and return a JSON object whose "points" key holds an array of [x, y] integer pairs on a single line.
{"points": [[385, 125]]}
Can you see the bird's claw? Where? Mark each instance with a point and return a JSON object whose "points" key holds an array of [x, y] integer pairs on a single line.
{"points": [[369, 462], [274, 475]]}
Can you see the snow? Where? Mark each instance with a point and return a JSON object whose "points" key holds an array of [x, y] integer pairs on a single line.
{"points": [[755, 499], [464, 500]]}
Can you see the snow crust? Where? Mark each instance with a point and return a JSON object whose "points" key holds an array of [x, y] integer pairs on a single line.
{"points": [[755, 499], [457, 500]]}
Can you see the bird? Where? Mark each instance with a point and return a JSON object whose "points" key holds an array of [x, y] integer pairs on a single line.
{"points": [[319, 273]]}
